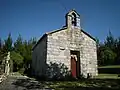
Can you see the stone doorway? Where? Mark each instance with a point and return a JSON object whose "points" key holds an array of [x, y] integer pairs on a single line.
{"points": [[75, 63]]}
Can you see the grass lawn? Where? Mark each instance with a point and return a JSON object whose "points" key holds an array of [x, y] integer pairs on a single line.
{"points": [[87, 84], [110, 69], [105, 81], [110, 66], [102, 81], [107, 76]]}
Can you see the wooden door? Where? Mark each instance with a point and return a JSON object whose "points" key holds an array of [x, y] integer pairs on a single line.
{"points": [[73, 66]]}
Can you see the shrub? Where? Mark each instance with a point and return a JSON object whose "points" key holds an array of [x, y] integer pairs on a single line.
{"points": [[57, 71]]}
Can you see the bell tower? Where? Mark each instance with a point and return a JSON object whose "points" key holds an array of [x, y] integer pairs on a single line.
{"points": [[73, 19]]}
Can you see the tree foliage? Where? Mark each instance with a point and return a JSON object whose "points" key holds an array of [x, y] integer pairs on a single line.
{"points": [[20, 51], [17, 60], [108, 52], [106, 55], [18, 45], [8, 43]]}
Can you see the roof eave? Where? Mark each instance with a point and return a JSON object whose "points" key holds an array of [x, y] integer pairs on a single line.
{"points": [[44, 35], [88, 35]]}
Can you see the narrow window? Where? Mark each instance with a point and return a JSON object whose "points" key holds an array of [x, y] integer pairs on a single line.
{"points": [[74, 21]]}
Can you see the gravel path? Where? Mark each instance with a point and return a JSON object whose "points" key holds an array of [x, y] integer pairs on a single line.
{"points": [[20, 82]]}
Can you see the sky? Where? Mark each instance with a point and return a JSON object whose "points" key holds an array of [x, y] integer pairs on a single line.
{"points": [[33, 18]]}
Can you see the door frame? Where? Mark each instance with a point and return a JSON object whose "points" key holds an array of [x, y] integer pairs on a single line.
{"points": [[78, 69]]}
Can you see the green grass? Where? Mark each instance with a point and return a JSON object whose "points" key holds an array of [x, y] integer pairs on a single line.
{"points": [[104, 81], [107, 76], [110, 66], [89, 84]]}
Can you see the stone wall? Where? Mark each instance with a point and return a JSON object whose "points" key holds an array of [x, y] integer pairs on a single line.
{"points": [[56, 47], [57, 50], [59, 45], [39, 57], [88, 56]]}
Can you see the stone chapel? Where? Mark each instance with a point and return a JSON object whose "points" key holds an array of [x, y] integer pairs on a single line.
{"points": [[70, 45]]}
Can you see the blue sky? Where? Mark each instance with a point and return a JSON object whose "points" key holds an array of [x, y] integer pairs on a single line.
{"points": [[32, 18]]}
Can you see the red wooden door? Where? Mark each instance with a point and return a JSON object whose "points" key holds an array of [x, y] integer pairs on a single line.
{"points": [[73, 66]]}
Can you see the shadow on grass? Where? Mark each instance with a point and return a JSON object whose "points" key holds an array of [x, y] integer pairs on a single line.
{"points": [[61, 79], [86, 84], [86, 88], [91, 84], [28, 83]]}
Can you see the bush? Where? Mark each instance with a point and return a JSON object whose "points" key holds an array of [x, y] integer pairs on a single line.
{"points": [[57, 71]]}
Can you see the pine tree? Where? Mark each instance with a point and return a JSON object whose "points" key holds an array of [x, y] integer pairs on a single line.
{"points": [[8, 43], [18, 45]]}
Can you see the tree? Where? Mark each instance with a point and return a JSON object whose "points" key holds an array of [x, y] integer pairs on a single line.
{"points": [[0, 49], [118, 51], [0, 43], [28, 54], [18, 45], [97, 42], [8, 43], [17, 61], [1, 57], [110, 41], [106, 52], [109, 56], [106, 56], [33, 40]]}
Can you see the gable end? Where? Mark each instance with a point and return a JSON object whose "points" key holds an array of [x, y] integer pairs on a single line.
{"points": [[39, 41], [88, 35]]}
